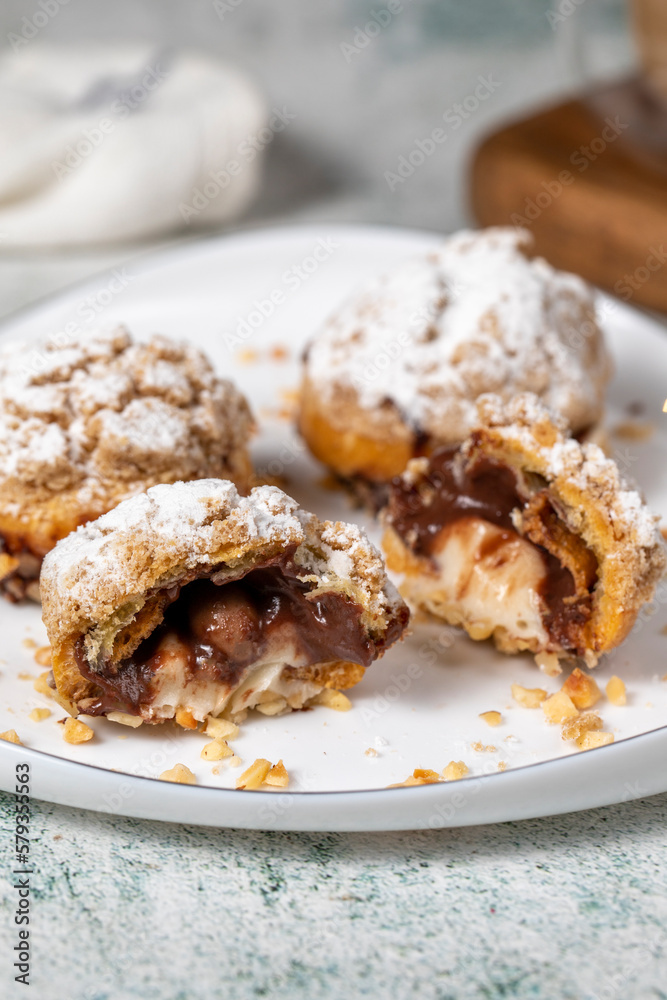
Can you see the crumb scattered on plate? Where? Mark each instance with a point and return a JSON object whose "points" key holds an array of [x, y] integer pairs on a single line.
{"points": [[180, 774]]}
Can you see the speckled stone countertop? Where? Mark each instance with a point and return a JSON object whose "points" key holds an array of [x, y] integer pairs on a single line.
{"points": [[570, 908]]}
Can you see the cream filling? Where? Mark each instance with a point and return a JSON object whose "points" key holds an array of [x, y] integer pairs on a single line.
{"points": [[262, 686], [485, 582]]}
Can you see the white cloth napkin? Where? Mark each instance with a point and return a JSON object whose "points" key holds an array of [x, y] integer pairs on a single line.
{"points": [[104, 144]]}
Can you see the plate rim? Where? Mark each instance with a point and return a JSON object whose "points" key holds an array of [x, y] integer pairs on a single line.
{"points": [[152, 259]]}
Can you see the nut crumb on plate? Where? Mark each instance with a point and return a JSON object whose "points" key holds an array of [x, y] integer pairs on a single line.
{"points": [[582, 689], [217, 749], [616, 691], [180, 774], [332, 699], [502, 765], [586, 723], [455, 770], [371, 752], [253, 777], [559, 707], [11, 736], [528, 697], [277, 776], [38, 714], [480, 748], [590, 740], [43, 656], [491, 718], [76, 731], [221, 729], [420, 776], [634, 430], [42, 685]]}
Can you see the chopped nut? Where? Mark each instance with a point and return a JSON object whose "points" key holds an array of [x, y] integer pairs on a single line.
{"points": [[38, 714], [502, 765], [586, 723], [11, 736], [491, 718], [333, 699], [42, 685], [29, 643], [278, 353], [616, 691], [23, 676], [179, 773], [254, 776], [277, 776], [273, 707], [559, 707], [246, 356], [125, 719], [216, 750], [588, 741], [420, 776], [634, 430], [235, 761], [371, 752], [77, 732], [455, 770], [528, 697], [186, 719], [43, 656], [582, 689], [426, 775], [221, 729], [548, 664], [480, 748]]}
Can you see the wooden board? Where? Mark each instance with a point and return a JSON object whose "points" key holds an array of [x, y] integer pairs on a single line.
{"points": [[594, 207]]}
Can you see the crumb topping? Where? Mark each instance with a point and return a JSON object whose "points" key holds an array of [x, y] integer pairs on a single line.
{"points": [[155, 539], [85, 412], [477, 315]]}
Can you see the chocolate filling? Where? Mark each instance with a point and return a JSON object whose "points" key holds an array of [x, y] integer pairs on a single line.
{"points": [[227, 628], [452, 490]]}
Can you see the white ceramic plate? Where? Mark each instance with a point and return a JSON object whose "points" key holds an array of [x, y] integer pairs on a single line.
{"points": [[248, 300]]}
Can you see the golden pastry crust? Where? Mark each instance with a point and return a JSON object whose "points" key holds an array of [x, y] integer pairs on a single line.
{"points": [[397, 371], [574, 506], [87, 422], [106, 587]]}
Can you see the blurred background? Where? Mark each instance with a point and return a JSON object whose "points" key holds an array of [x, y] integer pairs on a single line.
{"points": [[358, 88]]}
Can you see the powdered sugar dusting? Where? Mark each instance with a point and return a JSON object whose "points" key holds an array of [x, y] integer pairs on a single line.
{"points": [[475, 316], [154, 539], [562, 459], [101, 415]]}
